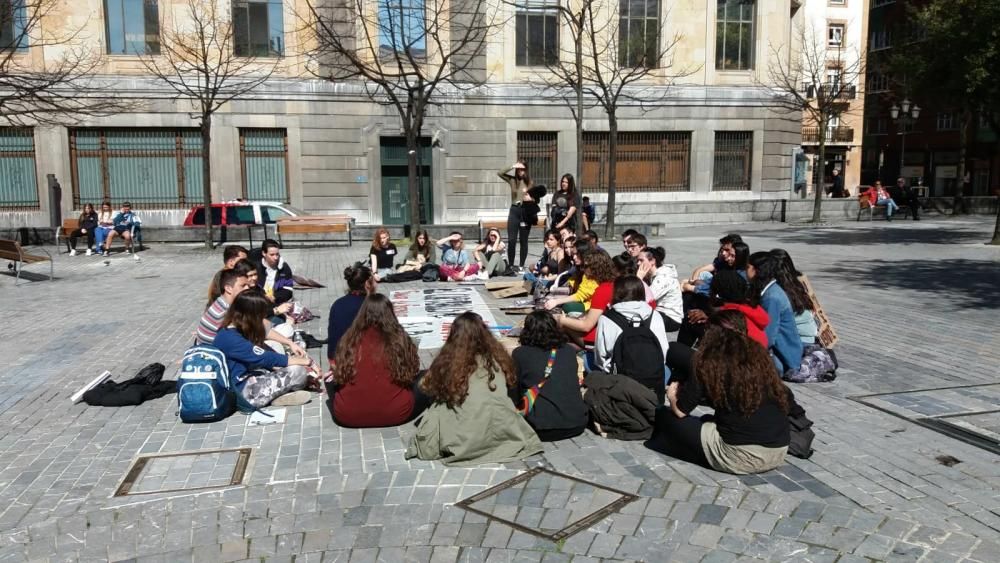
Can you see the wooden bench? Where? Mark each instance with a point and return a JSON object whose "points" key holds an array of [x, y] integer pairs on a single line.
{"points": [[70, 225], [865, 204], [316, 224], [11, 250], [485, 224]]}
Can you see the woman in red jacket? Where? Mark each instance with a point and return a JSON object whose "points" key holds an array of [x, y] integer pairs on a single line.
{"points": [[730, 292], [375, 371]]}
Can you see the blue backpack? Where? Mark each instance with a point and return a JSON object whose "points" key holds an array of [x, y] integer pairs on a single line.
{"points": [[204, 393]]}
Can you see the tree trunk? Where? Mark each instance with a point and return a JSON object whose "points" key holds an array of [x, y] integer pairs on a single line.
{"points": [[609, 215], [413, 180], [206, 176], [579, 126], [996, 228], [958, 202], [821, 175]]}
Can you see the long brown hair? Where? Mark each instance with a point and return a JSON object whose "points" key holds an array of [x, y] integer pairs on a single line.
{"points": [[736, 372], [397, 349], [469, 343], [247, 314], [84, 215]]}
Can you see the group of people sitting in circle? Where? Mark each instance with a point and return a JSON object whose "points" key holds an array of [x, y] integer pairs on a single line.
{"points": [[742, 321], [100, 229]]}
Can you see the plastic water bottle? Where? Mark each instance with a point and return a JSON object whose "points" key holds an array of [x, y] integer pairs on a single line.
{"points": [[298, 339]]}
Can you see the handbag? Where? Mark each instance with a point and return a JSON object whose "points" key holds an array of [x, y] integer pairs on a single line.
{"points": [[531, 394]]}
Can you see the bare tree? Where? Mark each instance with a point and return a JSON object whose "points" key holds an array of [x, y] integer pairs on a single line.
{"points": [[611, 69], [57, 88], [405, 53], [804, 84], [198, 60]]}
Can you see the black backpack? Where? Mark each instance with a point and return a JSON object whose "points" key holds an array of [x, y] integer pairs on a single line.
{"points": [[637, 351]]}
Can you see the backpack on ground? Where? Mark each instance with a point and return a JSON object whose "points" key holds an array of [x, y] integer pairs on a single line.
{"points": [[407, 276], [204, 392], [818, 365], [637, 352], [430, 272]]}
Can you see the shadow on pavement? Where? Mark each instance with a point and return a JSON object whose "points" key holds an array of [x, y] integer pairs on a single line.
{"points": [[878, 234], [966, 284]]}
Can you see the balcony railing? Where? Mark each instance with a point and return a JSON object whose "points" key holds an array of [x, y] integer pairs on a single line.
{"points": [[833, 135], [830, 90]]}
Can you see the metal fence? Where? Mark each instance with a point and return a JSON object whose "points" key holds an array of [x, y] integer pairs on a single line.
{"points": [[733, 158], [647, 162], [264, 162], [540, 150], [152, 168], [18, 180]]}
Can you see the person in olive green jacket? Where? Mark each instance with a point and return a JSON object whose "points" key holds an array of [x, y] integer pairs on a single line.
{"points": [[472, 420]]}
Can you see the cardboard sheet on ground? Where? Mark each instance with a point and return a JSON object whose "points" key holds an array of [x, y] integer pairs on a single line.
{"points": [[426, 314]]}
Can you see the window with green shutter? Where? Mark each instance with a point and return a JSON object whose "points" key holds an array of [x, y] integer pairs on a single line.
{"points": [[152, 168], [18, 181], [264, 159]]}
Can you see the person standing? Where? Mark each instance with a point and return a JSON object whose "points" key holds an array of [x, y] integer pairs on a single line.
{"points": [[564, 210], [524, 209], [837, 189]]}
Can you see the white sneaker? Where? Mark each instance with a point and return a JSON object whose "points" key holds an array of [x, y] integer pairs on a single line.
{"points": [[89, 252], [72, 252], [128, 251], [135, 257]]}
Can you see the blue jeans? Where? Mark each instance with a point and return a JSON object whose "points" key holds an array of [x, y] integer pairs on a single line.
{"points": [[101, 235], [704, 283], [890, 206]]}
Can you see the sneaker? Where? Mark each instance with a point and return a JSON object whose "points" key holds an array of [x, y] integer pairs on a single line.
{"points": [[89, 252], [128, 251], [293, 399], [72, 252], [107, 253]]}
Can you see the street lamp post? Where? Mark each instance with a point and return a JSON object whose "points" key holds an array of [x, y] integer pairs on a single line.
{"points": [[905, 115]]}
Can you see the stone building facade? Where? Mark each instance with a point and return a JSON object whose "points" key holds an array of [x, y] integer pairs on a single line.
{"points": [[712, 147]]}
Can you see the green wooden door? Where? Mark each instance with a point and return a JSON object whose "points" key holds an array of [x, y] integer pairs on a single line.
{"points": [[395, 200]]}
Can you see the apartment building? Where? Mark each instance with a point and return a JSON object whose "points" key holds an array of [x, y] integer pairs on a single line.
{"points": [[711, 145]]}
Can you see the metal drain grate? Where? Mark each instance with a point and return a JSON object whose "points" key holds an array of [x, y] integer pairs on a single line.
{"points": [[190, 471], [547, 504]]}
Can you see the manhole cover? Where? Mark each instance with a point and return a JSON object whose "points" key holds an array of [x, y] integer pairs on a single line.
{"points": [[544, 503], [169, 473]]}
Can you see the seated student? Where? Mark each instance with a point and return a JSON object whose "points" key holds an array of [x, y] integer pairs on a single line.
{"points": [[583, 331], [782, 334], [636, 244], [233, 253], [727, 257], [628, 266], [628, 305], [422, 251], [260, 375], [749, 432], [662, 280], [471, 420], [375, 371], [231, 283], [122, 226], [730, 292], [593, 239], [490, 255], [274, 275], [455, 262], [882, 197], [565, 233], [548, 387], [580, 285], [627, 235], [902, 193], [547, 267], [802, 304], [360, 284], [383, 252], [86, 227], [105, 225], [589, 212]]}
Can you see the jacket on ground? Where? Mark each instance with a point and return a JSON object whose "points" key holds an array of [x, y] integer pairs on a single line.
{"points": [[623, 407]]}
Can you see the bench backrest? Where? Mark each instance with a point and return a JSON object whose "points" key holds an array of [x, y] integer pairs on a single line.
{"points": [[70, 225], [7, 246], [302, 227]]}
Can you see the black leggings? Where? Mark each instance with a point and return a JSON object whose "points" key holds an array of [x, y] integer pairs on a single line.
{"points": [[79, 233], [515, 231], [678, 437]]}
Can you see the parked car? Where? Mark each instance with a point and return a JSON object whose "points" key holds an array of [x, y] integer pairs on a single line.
{"points": [[237, 213]]}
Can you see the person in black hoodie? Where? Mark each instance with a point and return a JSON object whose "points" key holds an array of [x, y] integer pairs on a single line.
{"points": [[749, 432], [274, 275], [548, 388], [87, 227]]}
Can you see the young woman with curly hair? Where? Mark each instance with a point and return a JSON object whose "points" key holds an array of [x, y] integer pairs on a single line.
{"points": [[597, 265], [548, 387], [375, 370], [471, 420], [749, 432]]}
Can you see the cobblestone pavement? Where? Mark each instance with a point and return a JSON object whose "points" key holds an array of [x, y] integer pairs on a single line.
{"points": [[915, 305]]}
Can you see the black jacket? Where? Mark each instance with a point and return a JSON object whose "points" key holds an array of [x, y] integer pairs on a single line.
{"points": [[88, 221], [559, 405], [623, 407]]}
